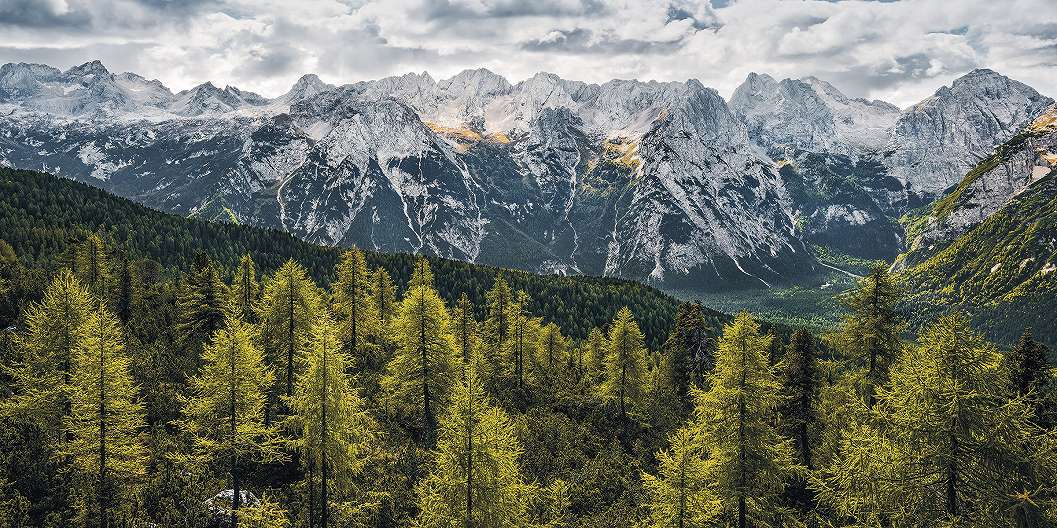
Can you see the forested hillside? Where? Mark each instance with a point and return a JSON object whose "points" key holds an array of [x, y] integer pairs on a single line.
{"points": [[165, 372], [42, 216]]}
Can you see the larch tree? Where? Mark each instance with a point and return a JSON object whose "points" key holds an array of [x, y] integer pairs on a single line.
{"points": [[287, 311], [356, 315], [626, 369], [476, 481], [46, 368], [749, 460], [952, 444], [498, 302], [551, 358], [465, 327], [383, 295], [595, 348], [245, 289], [225, 412], [92, 266], [662, 406], [679, 496], [871, 332], [105, 426], [521, 338], [419, 377], [334, 431]]}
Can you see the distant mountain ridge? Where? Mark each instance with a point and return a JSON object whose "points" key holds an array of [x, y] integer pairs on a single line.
{"points": [[663, 182]]}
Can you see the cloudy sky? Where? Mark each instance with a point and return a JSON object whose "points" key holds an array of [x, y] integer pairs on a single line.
{"points": [[900, 51]]}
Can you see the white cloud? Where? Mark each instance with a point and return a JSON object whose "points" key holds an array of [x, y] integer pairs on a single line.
{"points": [[898, 51]]}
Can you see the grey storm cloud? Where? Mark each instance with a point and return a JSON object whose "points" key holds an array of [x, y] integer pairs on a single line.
{"points": [[581, 40], [37, 14], [897, 51]]}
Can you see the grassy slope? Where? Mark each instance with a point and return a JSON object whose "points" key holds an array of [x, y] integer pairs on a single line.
{"points": [[1001, 271], [42, 216]]}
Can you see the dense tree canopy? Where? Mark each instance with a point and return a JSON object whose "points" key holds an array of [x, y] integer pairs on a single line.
{"points": [[160, 371]]}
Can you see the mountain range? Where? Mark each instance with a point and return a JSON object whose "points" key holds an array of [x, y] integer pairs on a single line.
{"points": [[669, 183]]}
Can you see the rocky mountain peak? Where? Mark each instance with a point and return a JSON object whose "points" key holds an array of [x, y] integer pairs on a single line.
{"points": [[89, 68], [479, 82], [977, 112]]}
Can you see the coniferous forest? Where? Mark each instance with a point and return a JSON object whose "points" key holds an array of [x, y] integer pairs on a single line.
{"points": [[159, 371]]}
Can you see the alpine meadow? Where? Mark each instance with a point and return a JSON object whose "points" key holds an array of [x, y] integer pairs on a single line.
{"points": [[589, 267]]}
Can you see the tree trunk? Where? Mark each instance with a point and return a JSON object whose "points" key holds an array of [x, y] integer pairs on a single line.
{"points": [[469, 453], [427, 412], [103, 511], [324, 501], [741, 438], [290, 343], [236, 497]]}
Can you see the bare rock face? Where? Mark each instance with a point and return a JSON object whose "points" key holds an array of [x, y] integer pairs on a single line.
{"points": [[663, 182], [1014, 168], [937, 141]]}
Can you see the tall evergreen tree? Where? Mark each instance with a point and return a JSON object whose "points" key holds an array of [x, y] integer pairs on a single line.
{"points": [[419, 377], [551, 358], [626, 372], [106, 422], [498, 316], [245, 289], [678, 495], [476, 481], [202, 305], [287, 311], [950, 445], [48, 347], [225, 412], [467, 340], [521, 339], [800, 388], [1028, 365], [663, 408], [383, 293], [871, 332], [92, 266], [127, 291], [334, 430], [357, 317], [495, 334], [595, 350], [688, 356], [749, 460]]}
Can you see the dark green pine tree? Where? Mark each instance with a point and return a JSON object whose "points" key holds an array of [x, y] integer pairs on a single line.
{"points": [[1028, 366], [127, 291], [688, 357], [201, 306], [800, 388], [1031, 376]]}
